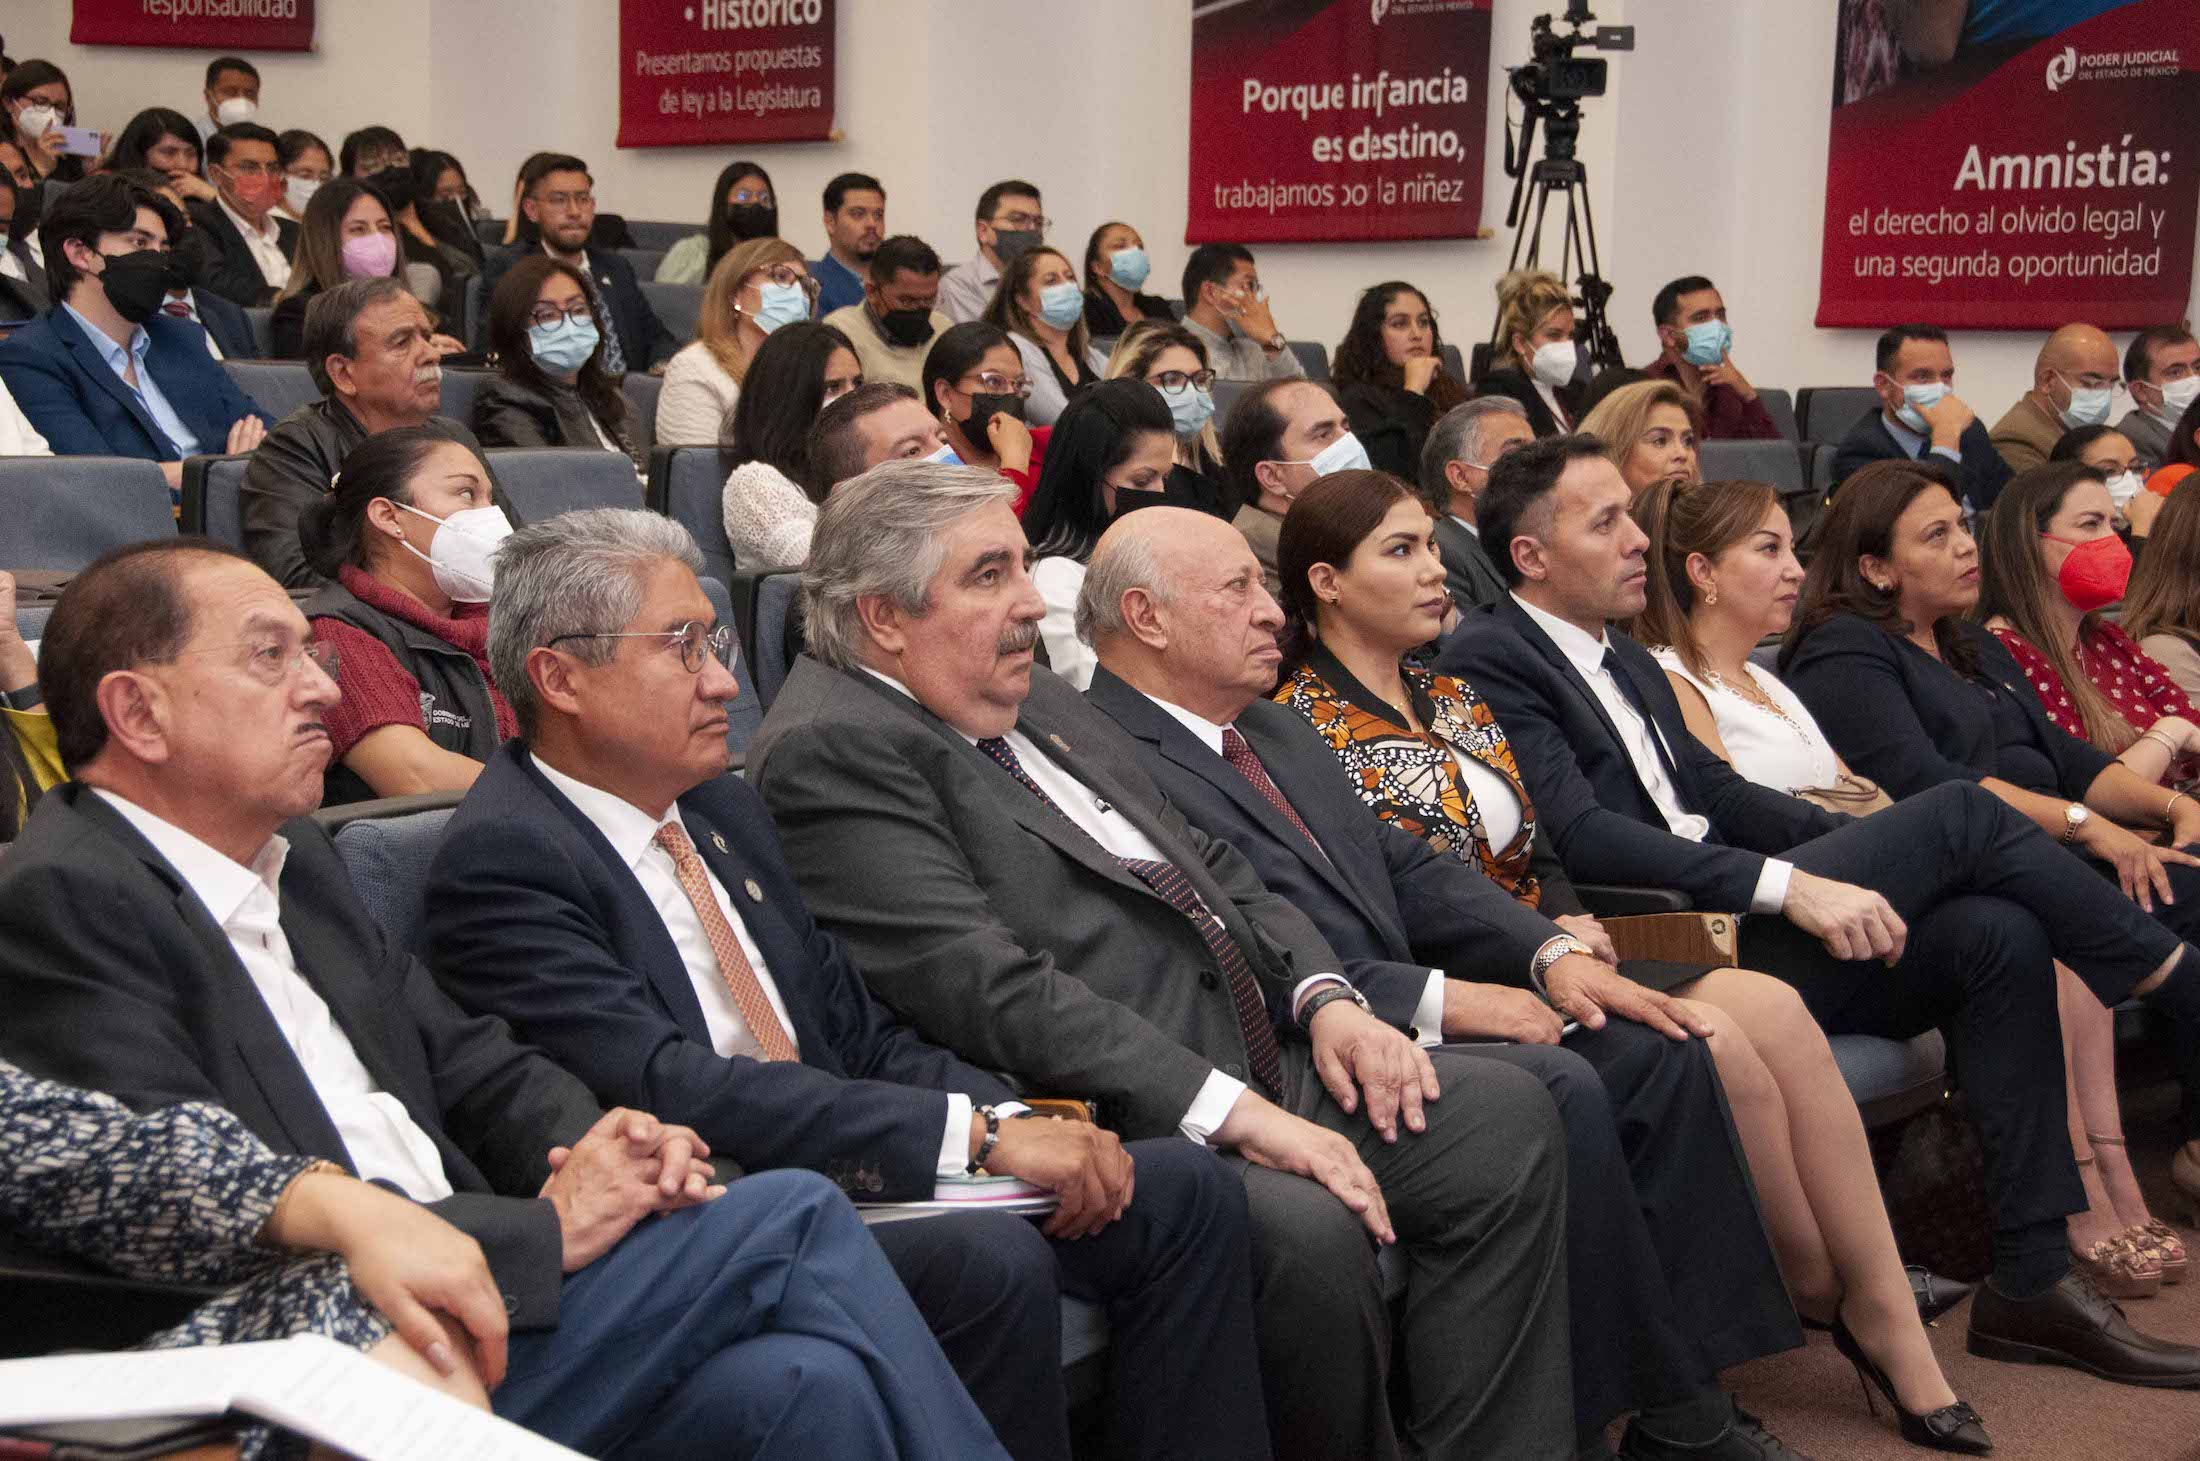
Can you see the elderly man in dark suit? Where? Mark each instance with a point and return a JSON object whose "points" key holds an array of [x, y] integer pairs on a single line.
{"points": [[1009, 880], [1919, 414], [172, 929], [618, 898], [1455, 467], [1975, 901]]}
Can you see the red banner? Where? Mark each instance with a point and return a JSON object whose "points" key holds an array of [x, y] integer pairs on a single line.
{"points": [[703, 71], [1337, 119], [242, 26], [2039, 170]]}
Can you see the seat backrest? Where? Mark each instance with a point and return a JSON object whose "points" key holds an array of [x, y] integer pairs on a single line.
{"points": [[212, 487], [688, 485], [62, 512], [460, 386], [1829, 411], [263, 329], [641, 392], [543, 481], [775, 600], [387, 855], [1781, 408], [279, 386], [1774, 461], [1227, 394], [652, 234], [489, 230], [1313, 356], [746, 714], [645, 261], [679, 306], [30, 619], [473, 312], [1454, 364]]}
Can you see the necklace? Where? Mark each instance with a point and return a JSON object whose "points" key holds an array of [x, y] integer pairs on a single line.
{"points": [[1749, 690]]}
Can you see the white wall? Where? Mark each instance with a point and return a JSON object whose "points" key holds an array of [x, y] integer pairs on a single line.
{"points": [[1707, 157]]}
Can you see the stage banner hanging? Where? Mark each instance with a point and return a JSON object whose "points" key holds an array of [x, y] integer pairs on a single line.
{"points": [[1318, 120], [693, 72], [2040, 167], [243, 26]]}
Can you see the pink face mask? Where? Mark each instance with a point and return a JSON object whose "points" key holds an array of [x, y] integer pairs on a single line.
{"points": [[370, 256]]}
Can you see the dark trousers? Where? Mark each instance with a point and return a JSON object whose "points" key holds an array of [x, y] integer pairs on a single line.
{"points": [[765, 1324], [1175, 1276], [1477, 1200]]}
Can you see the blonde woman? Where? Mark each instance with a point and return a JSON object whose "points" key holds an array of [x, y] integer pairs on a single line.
{"points": [[1649, 430], [2162, 606], [1535, 356], [1173, 360], [757, 287]]}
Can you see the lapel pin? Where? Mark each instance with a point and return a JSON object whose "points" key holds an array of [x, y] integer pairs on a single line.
{"points": [[1058, 743], [1103, 805], [756, 894], [718, 840]]}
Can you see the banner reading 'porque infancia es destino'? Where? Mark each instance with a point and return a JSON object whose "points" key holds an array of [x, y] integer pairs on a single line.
{"points": [[2036, 164], [242, 26], [694, 72]]}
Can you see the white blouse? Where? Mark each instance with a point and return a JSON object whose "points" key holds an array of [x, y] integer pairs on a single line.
{"points": [[1059, 581], [696, 400], [1784, 750], [768, 519]]}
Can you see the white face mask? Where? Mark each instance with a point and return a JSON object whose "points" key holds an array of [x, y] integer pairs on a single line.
{"points": [[35, 121], [235, 109], [1345, 454], [2122, 488], [460, 557], [1554, 362], [299, 191], [2177, 398]]}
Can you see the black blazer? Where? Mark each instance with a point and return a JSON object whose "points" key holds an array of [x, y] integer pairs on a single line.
{"points": [[642, 335], [1907, 721], [510, 413], [23, 300], [1388, 905], [1515, 386], [114, 978], [227, 324], [1391, 422], [533, 917], [1983, 473], [1470, 574], [230, 270], [1596, 812]]}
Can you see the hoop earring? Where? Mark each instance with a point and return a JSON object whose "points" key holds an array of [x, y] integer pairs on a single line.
{"points": [[1711, 594]]}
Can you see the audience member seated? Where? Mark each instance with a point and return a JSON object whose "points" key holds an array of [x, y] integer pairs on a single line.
{"points": [[1919, 413], [606, 231], [228, 331], [165, 142], [1390, 377], [894, 323], [347, 233], [1173, 360], [2183, 456], [1112, 451], [373, 357], [855, 221], [770, 502], [560, 202], [2162, 607], [1967, 906], [742, 210], [759, 285], [250, 246], [1008, 879], [1722, 577], [1695, 346], [1281, 436], [22, 281], [234, 964], [307, 163], [2112, 455], [407, 535], [1455, 470], [30, 762], [1535, 357], [551, 387], [370, 150], [1039, 305], [2075, 381], [1225, 306], [1010, 219], [878, 421], [172, 400], [582, 895], [441, 178], [436, 269], [1662, 1242], [37, 101], [2162, 371], [1116, 270], [232, 95], [1649, 430], [975, 369]]}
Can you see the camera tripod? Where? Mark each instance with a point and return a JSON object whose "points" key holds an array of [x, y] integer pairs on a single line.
{"points": [[1559, 171]]}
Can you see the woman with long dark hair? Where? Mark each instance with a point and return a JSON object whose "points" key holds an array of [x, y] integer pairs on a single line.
{"points": [[974, 382], [771, 497], [1040, 306], [1116, 270], [1390, 376], [551, 388], [167, 143], [1173, 360], [742, 207], [36, 101], [349, 232]]}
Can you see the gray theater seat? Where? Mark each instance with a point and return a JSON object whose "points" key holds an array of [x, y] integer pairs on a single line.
{"points": [[652, 234], [1829, 411], [775, 601], [263, 330], [460, 386], [688, 485], [210, 498], [278, 386], [62, 512], [1780, 406], [1776, 461], [1314, 356], [1891, 1079], [543, 481], [678, 305], [641, 391]]}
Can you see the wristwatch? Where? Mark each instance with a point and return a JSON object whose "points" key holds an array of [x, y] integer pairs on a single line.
{"points": [[1326, 995], [1551, 952], [1276, 342], [2075, 816]]}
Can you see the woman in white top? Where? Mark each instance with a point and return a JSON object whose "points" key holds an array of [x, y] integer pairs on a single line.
{"points": [[757, 287], [18, 438], [1111, 449], [1040, 305], [1723, 576], [771, 497]]}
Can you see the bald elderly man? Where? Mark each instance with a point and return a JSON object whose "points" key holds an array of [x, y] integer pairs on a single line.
{"points": [[2075, 383]]}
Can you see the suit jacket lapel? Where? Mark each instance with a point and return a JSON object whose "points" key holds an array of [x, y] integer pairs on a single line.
{"points": [[1533, 633], [93, 363]]}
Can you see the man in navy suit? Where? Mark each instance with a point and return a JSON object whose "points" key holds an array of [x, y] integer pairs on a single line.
{"points": [[617, 898], [105, 372], [1920, 413], [560, 200]]}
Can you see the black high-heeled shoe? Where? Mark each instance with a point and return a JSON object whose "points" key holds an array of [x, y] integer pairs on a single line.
{"points": [[1954, 1427]]}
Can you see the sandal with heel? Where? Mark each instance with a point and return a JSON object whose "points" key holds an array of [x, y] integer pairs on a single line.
{"points": [[2153, 1237]]}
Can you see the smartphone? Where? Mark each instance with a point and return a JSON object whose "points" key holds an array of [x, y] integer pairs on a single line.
{"points": [[79, 141]]}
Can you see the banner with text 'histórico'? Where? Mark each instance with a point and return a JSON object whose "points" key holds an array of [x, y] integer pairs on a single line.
{"points": [[2038, 165], [1337, 119], [694, 72], [243, 26]]}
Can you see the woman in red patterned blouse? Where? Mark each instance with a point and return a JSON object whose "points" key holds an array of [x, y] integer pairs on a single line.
{"points": [[2053, 562]]}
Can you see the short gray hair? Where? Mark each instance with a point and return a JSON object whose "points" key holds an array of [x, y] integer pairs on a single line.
{"points": [[332, 322], [1120, 564], [1447, 442], [577, 573], [882, 534]]}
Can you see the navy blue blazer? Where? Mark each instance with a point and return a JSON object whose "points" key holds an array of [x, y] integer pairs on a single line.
{"points": [[531, 916], [227, 323], [1589, 802], [1388, 905], [1983, 473], [642, 335], [61, 380]]}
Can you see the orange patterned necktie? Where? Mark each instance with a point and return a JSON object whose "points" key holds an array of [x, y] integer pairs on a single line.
{"points": [[733, 965]]}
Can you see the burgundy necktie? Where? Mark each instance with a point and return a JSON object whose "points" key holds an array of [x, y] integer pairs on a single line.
{"points": [[1239, 754]]}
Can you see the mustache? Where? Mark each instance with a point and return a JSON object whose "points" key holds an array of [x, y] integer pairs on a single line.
{"points": [[428, 375], [1018, 637]]}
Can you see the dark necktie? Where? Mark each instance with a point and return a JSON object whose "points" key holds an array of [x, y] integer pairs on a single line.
{"points": [[1239, 754], [1168, 882], [176, 308], [614, 354], [1649, 722]]}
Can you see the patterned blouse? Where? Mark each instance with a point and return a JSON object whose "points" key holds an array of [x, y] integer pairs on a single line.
{"points": [[2132, 680], [1409, 777]]}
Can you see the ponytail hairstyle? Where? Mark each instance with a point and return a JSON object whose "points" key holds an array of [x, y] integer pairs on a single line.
{"points": [[1684, 519], [333, 528]]}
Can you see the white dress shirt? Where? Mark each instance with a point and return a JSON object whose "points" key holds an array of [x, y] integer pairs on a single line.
{"points": [[1586, 655], [632, 834], [1550, 398], [1059, 579], [265, 242], [192, 305], [381, 1138]]}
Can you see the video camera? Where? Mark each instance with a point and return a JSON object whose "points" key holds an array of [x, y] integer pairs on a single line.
{"points": [[1556, 74]]}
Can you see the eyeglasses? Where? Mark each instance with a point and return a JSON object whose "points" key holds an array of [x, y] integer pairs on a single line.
{"points": [[1173, 382], [760, 196], [308, 174], [249, 169], [582, 199], [789, 276], [993, 383], [695, 641], [548, 316], [1022, 221], [374, 162], [2090, 381]]}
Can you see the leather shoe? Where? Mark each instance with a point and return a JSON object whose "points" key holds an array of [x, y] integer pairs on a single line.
{"points": [[1935, 1295], [1744, 1439], [2075, 1324]]}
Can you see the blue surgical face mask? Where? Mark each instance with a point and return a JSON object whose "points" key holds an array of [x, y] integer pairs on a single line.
{"points": [[564, 347], [1917, 398], [1708, 342], [780, 304], [1062, 305], [1129, 267], [2088, 405], [1192, 407]]}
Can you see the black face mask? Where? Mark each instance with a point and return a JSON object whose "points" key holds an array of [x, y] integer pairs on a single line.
{"points": [[396, 184], [905, 327], [983, 409], [1009, 242], [137, 282], [1180, 488], [753, 220]]}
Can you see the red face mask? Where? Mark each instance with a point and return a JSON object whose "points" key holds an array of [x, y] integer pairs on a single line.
{"points": [[2095, 573], [256, 194]]}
